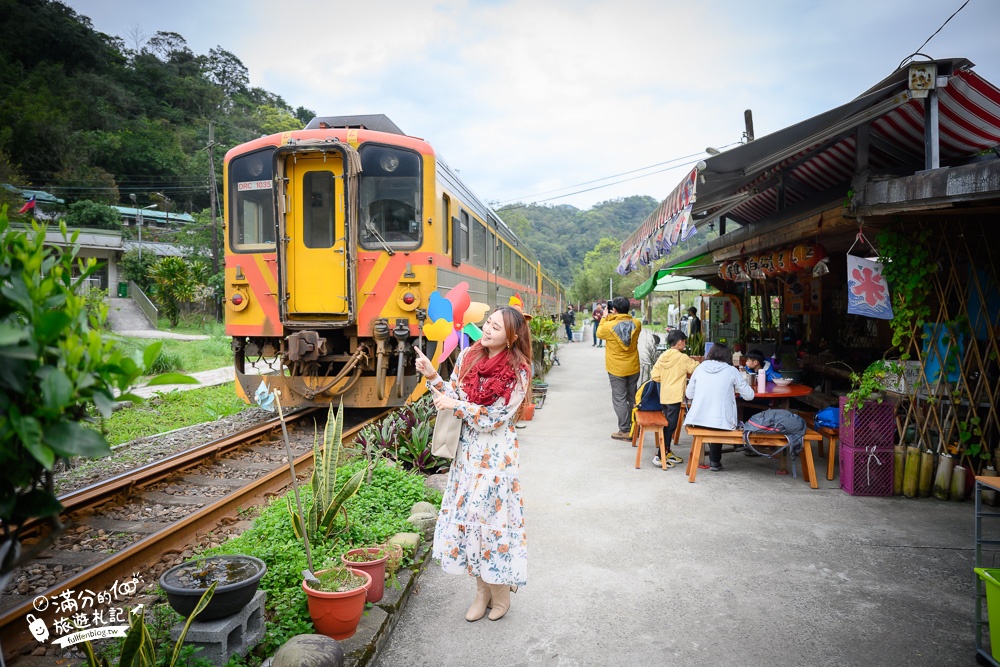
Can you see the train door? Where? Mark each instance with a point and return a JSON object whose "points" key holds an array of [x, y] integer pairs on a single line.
{"points": [[317, 264]]}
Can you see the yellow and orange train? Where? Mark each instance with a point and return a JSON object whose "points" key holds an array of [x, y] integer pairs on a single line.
{"points": [[336, 235]]}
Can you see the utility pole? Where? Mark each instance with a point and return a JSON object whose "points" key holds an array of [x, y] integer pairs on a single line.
{"points": [[211, 195]]}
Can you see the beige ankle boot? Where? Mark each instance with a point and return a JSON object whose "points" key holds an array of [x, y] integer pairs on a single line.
{"points": [[482, 601], [500, 597]]}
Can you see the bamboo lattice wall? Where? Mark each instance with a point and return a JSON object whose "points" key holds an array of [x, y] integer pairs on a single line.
{"points": [[959, 404]]}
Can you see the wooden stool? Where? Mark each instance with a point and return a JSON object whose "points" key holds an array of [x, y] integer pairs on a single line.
{"points": [[833, 434], [654, 420]]}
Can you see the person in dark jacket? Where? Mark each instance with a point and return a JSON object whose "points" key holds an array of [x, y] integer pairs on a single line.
{"points": [[569, 319]]}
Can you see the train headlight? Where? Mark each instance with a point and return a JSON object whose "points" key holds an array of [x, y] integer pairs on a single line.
{"points": [[408, 298], [237, 299], [389, 163]]}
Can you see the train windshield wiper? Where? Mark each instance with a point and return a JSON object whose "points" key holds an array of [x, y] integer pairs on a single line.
{"points": [[378, 237]]}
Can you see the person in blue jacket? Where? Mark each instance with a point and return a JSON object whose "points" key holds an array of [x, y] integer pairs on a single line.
{"points": [[756, 361]]}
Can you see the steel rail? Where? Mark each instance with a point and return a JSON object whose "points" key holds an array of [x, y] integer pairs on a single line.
{"points": [[128, 482], [148, 551]]}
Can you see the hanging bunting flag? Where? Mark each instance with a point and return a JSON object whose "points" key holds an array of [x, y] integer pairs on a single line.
{"points": [[665, 220], [867, 291]]}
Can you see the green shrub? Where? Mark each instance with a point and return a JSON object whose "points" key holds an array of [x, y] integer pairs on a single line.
{"points": [[378, 511]]}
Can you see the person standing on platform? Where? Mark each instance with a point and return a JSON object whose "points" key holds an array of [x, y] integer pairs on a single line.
{"points": [[598, 314], [480, 528], [671, 371], [569, 319], [694, 324], [621, 359]]}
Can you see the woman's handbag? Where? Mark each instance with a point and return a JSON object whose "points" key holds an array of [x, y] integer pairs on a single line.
{"points": [[447, 429]]}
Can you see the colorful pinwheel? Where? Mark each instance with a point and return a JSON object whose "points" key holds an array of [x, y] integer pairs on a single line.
{"points": [[452, 320]]}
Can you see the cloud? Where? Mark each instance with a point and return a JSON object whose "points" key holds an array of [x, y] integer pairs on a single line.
{"points": [[525, 96]]}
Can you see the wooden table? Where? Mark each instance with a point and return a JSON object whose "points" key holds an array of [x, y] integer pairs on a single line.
{"points": [[782, 395]]}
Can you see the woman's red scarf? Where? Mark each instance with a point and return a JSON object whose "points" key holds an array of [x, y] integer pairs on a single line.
{"points": [[489, 378]]}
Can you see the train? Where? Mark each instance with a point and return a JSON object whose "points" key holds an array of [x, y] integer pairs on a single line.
{"points": [[336, 236]]}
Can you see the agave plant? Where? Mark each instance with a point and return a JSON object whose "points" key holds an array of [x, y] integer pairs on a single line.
{"points": [[327, 501], [415, 449]]}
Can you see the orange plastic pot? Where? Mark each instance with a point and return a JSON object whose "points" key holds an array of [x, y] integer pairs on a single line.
{"points": [[529, 412], [375, 569], [337, 614]]}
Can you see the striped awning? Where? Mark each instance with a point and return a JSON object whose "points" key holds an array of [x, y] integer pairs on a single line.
{"points": [[814, 160]]}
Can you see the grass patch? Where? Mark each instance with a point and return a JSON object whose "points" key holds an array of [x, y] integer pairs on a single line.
{"points": [[203, 324], [170, 411], [187, 356]]}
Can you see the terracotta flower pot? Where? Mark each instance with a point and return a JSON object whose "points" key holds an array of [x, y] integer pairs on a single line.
{"points": [[529, 412], [375, 568], [337, 614]]}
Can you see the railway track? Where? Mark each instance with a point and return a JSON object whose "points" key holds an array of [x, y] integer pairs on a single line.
{"points": [[145, 520]]}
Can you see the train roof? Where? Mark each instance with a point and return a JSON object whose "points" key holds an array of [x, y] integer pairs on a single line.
{"points": [[376, 122]]}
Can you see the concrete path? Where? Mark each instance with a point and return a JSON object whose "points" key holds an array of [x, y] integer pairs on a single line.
{"points": [[159, 335], [210, 378], [744, 567]]}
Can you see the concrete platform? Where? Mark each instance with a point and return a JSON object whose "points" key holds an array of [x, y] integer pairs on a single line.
{"points": [[744, 567]]}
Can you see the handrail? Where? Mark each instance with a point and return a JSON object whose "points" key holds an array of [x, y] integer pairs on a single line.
{"points": [[145, 305]]}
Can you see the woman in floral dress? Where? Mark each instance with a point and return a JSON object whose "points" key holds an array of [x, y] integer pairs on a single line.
{"points": [[480, 529]]}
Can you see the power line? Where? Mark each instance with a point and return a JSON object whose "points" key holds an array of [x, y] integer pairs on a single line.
{"points": [[626, 180], [933, 35], [598, 180]]}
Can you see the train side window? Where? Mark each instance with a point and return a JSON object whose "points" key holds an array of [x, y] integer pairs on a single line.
{"points": [[456, 242], [465, 237], [478, 244], [491, 247], [506, 262], [251, 221], [390, 197], [446, 217], [317, 209]]}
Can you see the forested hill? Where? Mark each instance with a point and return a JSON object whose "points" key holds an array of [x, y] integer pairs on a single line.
{"points": [[560, 236], [89, 116], [86, 115]]}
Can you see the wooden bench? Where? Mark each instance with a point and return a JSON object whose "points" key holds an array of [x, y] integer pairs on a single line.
{"points": [[655, 421], [831, 434], [703, 435]]}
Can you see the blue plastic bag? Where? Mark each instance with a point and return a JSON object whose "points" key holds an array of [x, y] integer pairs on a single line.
{"points": [[828, 417]]}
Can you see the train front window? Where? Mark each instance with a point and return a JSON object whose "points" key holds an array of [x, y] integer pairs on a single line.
{"points": [[252, 205], [390, 198]]}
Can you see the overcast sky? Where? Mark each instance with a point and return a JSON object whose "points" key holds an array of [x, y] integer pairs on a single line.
{"points": [[527, 97]]}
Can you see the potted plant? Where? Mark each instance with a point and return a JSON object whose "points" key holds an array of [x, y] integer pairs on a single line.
{"points": [[336, 599], [236, 578], [373, 561], [544, 342], [866, 420], [695, 346]]}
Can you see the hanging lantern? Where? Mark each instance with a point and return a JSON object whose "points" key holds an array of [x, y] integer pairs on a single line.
{"points": [[733, 271], [783, 260], [806, 255], [767, 265], [742, 275], [722, 270]]}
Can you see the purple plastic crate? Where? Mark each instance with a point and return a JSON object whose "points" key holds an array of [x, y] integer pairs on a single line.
{"points": [[866, 471], [874, 424]]}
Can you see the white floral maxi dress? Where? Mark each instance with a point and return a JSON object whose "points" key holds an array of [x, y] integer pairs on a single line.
{"points": [[480, 529]]}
